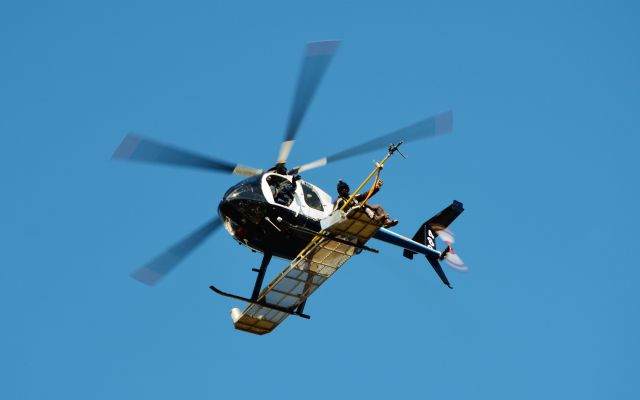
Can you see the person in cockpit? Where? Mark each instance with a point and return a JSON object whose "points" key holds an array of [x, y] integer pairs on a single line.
{"points": [[282, 189]]}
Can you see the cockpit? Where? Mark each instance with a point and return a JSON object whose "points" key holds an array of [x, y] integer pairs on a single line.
{"points": [[250, 199], [255, 205], [298, 196]]}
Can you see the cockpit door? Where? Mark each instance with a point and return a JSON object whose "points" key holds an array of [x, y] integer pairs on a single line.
{"points": [[278, 190]]}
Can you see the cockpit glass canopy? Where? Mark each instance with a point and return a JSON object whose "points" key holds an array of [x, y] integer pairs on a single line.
{"points": [[248, 189]]}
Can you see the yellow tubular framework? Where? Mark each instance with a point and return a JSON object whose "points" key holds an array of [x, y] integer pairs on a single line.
{"points": [[373, 187], [376, 171]]}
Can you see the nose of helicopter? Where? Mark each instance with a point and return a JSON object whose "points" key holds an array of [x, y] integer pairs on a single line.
{"points": [[242, 204], [229, 212]]}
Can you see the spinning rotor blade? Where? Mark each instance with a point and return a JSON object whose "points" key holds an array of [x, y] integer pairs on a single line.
{"points": [[446, 235], [451, 258], [317, 57], [156, 269], [455, 262], [137, 148], [436, 125]]}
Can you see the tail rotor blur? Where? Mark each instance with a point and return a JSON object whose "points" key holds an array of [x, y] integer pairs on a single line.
{"points": [[449, 255]]}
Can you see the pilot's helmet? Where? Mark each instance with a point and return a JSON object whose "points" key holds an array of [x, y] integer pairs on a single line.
{"points": [[281, 169]]}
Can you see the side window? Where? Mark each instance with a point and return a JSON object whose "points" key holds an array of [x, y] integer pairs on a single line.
{"points": [[281, 189], [311, 197]]}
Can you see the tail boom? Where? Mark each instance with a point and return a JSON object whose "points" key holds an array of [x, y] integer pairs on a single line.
{"points": [[409, 245]]}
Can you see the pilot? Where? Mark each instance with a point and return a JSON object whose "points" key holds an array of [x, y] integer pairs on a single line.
{"points": [[283, 191], [375, 212]]}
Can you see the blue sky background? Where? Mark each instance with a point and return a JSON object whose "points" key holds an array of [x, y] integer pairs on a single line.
{"points": [[544, 156]]}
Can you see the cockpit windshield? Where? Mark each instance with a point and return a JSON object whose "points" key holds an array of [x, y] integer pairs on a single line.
{"points": [[248, 189]]}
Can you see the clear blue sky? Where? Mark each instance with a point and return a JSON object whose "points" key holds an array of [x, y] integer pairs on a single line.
{"points": [[545, 97]]}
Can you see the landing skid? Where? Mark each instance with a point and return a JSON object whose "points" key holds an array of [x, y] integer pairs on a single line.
{"points": [[256, 292], [260, 303]]}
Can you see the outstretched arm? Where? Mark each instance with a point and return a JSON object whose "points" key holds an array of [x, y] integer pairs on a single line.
{"points": [[361, 197]]}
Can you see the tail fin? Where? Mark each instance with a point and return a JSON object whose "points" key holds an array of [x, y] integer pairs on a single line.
{"points": [[428, 232]]}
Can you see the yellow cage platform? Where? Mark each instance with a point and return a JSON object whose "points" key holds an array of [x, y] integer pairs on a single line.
{"points": [[342, 235]]}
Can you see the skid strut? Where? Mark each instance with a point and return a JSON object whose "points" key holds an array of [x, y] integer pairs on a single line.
{"points": [[266, 258]]}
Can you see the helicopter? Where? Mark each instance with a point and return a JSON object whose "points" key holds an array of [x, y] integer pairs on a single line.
{"points": [[297, 223]]}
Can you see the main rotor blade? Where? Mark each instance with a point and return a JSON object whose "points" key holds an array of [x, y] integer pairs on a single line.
{"points": [[137, 148], [156, 269], [317, 57], [432, 126]]}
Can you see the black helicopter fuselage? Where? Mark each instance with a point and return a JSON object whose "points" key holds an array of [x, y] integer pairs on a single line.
{"points": [[252, 214]]}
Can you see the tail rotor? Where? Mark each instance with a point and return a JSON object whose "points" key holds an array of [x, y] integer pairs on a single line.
{"points": [[449, 255]]}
